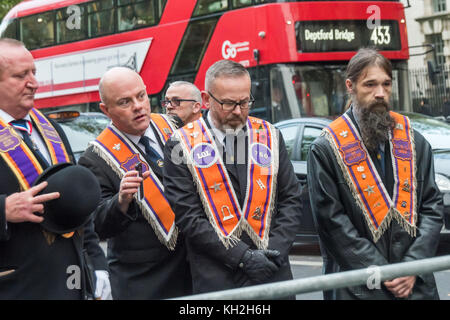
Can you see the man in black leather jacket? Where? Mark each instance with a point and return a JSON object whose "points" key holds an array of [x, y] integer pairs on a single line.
{"points": [[344, 205]]}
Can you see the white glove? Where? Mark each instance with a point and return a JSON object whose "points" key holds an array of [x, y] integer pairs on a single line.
{"points": [[102, 286]]}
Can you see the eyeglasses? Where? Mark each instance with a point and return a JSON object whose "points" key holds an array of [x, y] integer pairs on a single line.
{"points": [[231, 105], [174, 102]]}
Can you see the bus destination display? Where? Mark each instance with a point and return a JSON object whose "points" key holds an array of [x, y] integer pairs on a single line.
{"points": [[346, 35]]}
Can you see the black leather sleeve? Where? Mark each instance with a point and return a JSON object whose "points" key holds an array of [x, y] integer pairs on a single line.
{"points": [[430, 207]]}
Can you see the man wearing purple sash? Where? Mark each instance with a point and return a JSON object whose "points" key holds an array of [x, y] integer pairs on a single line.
{"points": [[34, 262]]}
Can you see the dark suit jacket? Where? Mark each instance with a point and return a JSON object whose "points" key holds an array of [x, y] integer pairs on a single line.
{"points": [[140, 266], [346, 241], [42, 270], [213, 266]]}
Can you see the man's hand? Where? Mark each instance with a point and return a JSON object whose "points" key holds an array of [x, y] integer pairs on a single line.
{"points": [[20, 206], [129, 185], [258, 266], [401, 287]]}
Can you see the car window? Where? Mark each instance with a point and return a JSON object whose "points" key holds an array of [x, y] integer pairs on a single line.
{"points": [[290, 135], [82, 130], [309, 135]]}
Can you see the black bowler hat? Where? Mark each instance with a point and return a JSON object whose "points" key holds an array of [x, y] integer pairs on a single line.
{"points": [[79, 196]]}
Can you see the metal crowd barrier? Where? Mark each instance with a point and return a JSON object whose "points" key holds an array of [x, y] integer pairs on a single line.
{"points": [[330, 281]]}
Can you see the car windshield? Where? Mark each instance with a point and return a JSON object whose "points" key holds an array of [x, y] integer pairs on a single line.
{"points": [[435, 131], [83, 129]]}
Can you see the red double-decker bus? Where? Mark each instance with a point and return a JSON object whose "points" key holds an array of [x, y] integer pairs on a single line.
{"points": [[295, 51]]}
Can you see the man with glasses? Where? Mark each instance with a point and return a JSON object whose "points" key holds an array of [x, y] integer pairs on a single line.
{"points": [[183, 99], [237, 210], [146, 254]]}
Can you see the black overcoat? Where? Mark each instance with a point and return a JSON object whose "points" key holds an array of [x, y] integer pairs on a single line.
{"points": [[346, 241]]}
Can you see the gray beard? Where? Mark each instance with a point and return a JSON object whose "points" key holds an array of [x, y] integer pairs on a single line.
{"points": [[374, 125]]}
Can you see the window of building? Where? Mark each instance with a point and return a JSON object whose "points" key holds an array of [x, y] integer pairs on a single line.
{"points": [[436, 39], [439, 5], [70, 24], [37, 31]]}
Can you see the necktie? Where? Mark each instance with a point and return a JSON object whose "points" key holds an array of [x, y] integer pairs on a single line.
{"points": [[24, 127], [380, 157], [151, 152]]}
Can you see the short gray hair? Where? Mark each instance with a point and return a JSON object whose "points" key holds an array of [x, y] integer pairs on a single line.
{"points": [[224, 68], [8, 42], [195, 92]]}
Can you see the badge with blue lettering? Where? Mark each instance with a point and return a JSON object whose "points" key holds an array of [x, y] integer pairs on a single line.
{"points": [[131, 163], [353, 153], [261, 154], [203, 155], [402, 149]]}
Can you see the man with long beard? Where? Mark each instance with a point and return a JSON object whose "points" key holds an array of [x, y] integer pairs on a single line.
{"points": [[372, 188]]}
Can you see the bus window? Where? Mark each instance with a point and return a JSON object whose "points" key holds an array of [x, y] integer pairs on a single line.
{"points": [[70, 27], [193, 46], [161, 4], [10, 30], [101, 17], [307, 91], [37, 30], [210, 6], [241, 3], [135, 15], [127, 18]]}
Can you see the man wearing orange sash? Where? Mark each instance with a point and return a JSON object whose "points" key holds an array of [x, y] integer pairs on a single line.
{"points": [[372, 188], [34, 262], [146, 255], [232, 188], [183, 99]]}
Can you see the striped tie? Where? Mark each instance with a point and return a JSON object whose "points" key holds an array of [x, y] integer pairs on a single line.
{"points": [[25, 128]]}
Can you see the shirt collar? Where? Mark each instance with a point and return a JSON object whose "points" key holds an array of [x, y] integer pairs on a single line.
{"points": [[8, 118]]}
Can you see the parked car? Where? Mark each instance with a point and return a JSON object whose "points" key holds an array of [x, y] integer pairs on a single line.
{"points": [[80, 128], [299, 133]]}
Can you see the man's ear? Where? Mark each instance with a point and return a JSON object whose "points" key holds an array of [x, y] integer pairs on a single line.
{"points": [[104, 108], [205, 99], [349, 85], [197, 107]]}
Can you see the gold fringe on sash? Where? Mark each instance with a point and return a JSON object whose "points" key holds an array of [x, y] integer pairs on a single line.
{"points": [[232, 239], [393, 212], [264, 243], [145, 212]]}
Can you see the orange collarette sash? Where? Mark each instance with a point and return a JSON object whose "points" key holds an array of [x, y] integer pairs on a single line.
{"points": [[216, 190], [122, 156], [21, 159], [364, 181]]}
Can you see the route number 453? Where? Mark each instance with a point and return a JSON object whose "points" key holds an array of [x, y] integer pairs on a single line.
{"points": [[381, 35]]}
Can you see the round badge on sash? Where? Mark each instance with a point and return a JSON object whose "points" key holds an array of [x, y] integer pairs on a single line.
{"points": [[261, 154], [203, 155]]}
